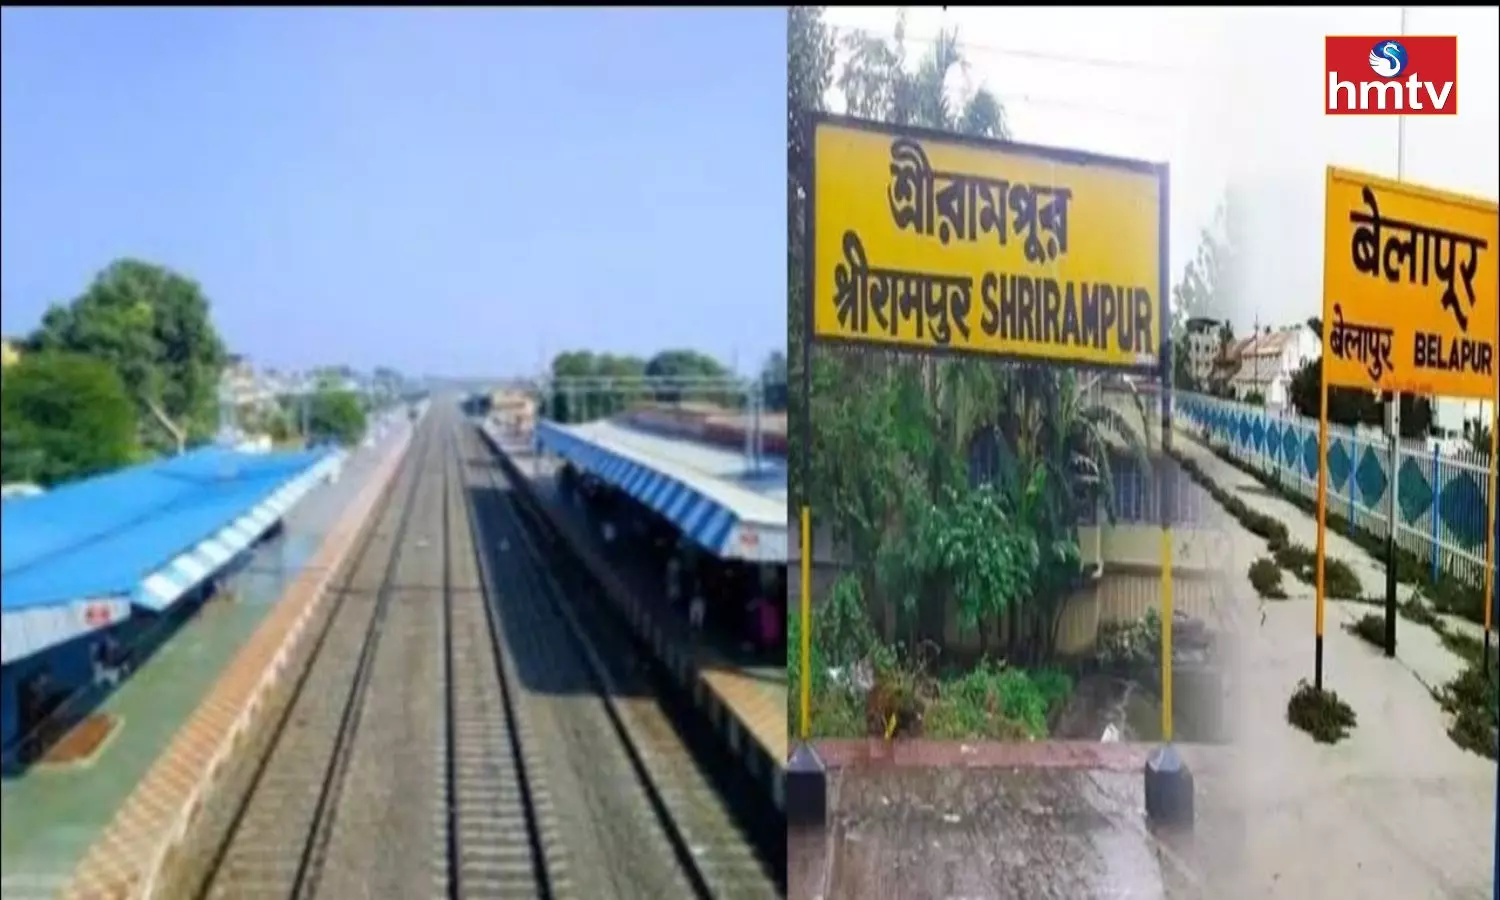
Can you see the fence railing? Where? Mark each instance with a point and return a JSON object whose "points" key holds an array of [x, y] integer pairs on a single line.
{"points": [[1440, 495]]}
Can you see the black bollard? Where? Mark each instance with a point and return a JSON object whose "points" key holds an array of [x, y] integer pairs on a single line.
{"points": [[806, 788], [1169, 789]]}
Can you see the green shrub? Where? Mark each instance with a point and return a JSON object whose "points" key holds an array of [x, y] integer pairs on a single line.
{"points": [[1339, 580], [1370, 627], [1265, 576], [1130, 645], [996, 702], [1448, 594], [1320, 713], [1473, 699], [1257, 523], [1300, 561]]}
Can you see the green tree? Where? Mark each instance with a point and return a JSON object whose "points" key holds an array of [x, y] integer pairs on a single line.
{"points": [[687, 364], [1210, 277], [588, 386], [1351, 406], [278, 426], [596, 397], [1205, 288], [153, 327], [1477, 436], [66, 416], [810, 61], [773, 381], [335, 415]]}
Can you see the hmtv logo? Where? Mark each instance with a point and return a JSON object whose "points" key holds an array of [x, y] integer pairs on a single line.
{"points": [[1389, 76]]}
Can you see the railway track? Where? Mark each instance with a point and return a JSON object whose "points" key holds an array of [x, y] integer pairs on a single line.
{"points": [[502, 839], [714, 851], [277, 834], [456, 731]]}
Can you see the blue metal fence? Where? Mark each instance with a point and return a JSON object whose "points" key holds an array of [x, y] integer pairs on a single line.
{"points": [[1440, 495]]}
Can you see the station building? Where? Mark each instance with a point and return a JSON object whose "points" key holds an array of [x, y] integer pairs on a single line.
{"points": [[97, 574]]}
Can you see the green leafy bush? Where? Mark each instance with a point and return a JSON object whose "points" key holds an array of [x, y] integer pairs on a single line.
{"points": [[1265, 577], [1339, 580], [1255, 522], [1370, 627], [1130, 645], [1300, 561], [1473, 699], [997, 702], [1320, 713]]}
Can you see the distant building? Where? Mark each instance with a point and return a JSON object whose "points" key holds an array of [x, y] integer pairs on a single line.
{"points": [[1265, 364], [244, 386], [514, 411], [1203, 346], [10, 353], [1451, 414]]}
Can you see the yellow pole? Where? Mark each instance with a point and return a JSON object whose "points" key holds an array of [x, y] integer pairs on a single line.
{"points": [[1322, 544], [1166, 629], [806, 725], [1489, 540]]}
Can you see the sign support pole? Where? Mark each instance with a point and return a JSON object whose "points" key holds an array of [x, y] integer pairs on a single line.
{"points": [[1489, 594], [1489, 542], [1322, 513], [1394, 421], [1165, 496], [1489, 597], [1168, 781], [804, 728]]}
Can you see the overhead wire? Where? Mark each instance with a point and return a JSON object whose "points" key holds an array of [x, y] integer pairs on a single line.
{"points": [[973, 49]]}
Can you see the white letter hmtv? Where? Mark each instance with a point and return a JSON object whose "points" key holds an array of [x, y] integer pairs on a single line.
{"points": [[1386, 96]]}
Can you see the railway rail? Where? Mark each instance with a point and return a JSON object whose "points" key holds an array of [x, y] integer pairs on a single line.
{"points": [[467, 727]]}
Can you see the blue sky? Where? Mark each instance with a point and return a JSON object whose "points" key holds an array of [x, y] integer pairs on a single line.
{"points": [[443, 191]]}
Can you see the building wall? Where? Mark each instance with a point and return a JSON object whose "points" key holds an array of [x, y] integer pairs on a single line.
{"points": [[1203, 350], [70, 666], [1129, 583], [1268, 371]]}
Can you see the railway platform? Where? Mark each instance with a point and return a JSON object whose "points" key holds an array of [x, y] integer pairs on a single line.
{"points": [[98, 827], [746, 703]]}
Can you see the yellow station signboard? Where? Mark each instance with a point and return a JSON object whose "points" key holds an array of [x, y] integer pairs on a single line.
{"points": [[933, 242], [1410, 299]]}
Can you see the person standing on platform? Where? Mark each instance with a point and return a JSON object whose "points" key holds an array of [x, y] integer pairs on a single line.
{"points": [[772, 613], [761, 625], [105, 655]]}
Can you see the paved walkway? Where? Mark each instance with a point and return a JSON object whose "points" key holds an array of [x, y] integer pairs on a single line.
{"points": [[51, 815], [1417, 647], [1396, 810], [992, 832]]}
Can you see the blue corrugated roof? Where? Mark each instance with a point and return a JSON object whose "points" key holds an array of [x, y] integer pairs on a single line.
{"points": [[706, 491], [100, 537]]}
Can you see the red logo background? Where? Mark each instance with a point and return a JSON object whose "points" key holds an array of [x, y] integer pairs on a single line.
{"points": [[1432, 58]]}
